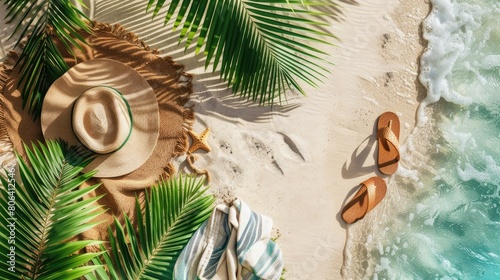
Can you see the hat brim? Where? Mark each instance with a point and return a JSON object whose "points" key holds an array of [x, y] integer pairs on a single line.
{"points": [[58, 103]]}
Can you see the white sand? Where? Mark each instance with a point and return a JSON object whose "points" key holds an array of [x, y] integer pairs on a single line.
{"points": [[300, 162]]}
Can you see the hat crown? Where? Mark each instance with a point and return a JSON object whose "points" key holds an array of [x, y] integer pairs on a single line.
{"points": [[102, 120], [64, 113]]}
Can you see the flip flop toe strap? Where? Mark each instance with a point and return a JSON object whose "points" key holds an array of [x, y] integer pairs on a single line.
{"points": [[370, 198], [387, 134], [370, 189]]}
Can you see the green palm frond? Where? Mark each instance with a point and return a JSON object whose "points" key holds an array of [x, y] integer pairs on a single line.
{"points": [[43, 212], [173, 211], [41, 63], [262, 46]]}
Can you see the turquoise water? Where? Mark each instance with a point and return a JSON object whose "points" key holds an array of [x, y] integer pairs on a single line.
{"points": [[441, 219]]}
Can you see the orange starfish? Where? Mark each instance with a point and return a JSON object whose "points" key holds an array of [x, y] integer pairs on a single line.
{"points": [[199, 141]]}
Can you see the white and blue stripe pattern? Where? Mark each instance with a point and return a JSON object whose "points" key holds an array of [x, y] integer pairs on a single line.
{"points": [[233, 244]]}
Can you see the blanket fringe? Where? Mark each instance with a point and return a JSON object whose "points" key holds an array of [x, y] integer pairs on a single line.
{"points": [[184, 80], [184, 83], [7, 156]]}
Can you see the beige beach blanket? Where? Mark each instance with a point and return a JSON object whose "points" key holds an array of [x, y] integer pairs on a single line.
{"points": [[172, 87]]}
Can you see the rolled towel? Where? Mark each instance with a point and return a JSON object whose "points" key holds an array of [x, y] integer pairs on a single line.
{"points": [[234, 243]]}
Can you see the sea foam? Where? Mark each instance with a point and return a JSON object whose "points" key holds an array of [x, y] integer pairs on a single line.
{"points": [[447, 213]]}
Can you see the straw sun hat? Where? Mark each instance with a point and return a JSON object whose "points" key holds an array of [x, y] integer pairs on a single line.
{"points": [[172, 89], [108, 108]]}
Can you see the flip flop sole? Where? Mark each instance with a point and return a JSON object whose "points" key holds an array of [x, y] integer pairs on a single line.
{"points": [[369, 195], [388, 154]]}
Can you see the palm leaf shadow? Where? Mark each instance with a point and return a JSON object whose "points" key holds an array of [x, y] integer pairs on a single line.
{"points": [[244, 77]]}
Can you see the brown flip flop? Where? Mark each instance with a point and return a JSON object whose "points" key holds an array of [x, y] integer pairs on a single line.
{"points": [[388, 142], [368, 196]]}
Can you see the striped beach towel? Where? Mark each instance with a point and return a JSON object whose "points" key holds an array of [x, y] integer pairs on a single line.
{"points": [[234, 243]]}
